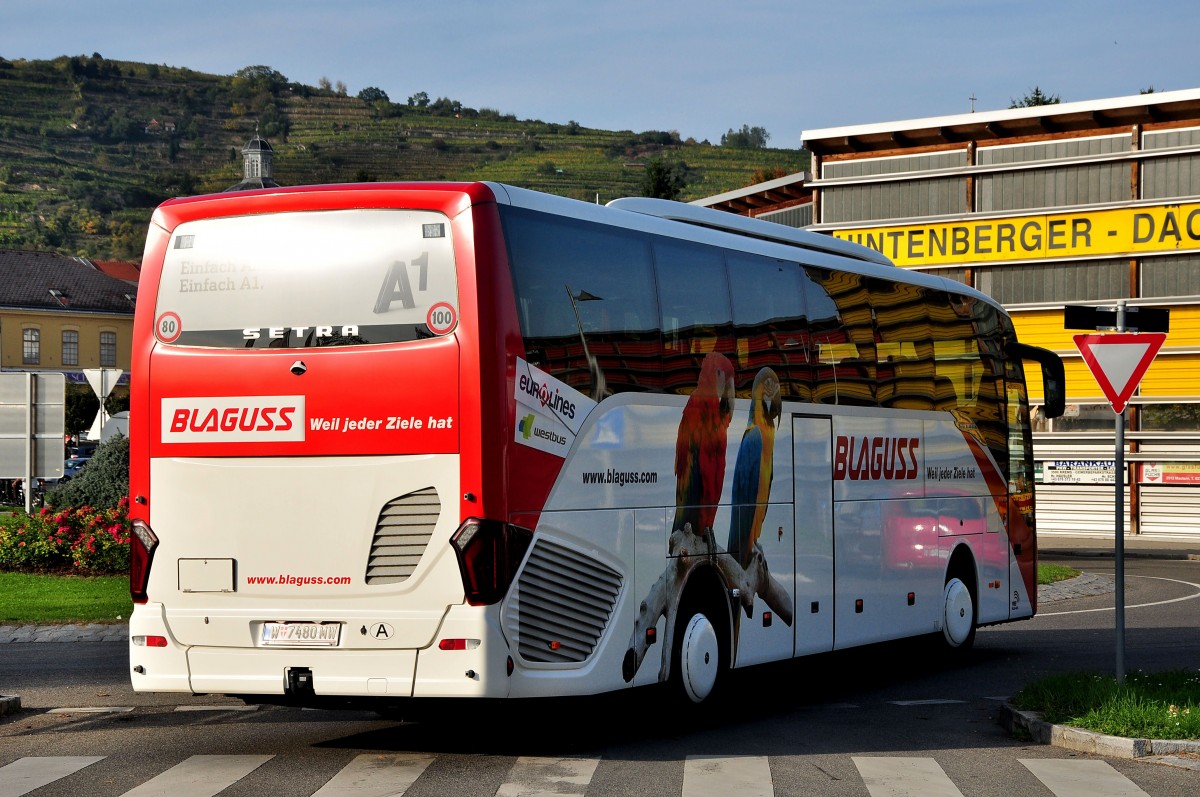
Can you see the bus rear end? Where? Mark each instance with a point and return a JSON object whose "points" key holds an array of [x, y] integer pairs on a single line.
{"points": [[306, 369]]}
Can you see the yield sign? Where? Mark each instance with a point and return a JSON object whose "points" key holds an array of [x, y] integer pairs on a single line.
{"points": [[1119, 361]]}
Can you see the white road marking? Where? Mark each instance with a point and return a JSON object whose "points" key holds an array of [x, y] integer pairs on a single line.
{"points": [[545, 777], [904, 777], [26, 774], [1193, 596], [1081, 778], [200, 776], [377, 775], [721, 776]]}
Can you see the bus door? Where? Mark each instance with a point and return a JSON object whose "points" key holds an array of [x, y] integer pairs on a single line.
{"points": [[812, 457]]}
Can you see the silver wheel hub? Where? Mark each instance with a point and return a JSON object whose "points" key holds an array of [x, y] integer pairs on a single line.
{"points": [[699, 658]]}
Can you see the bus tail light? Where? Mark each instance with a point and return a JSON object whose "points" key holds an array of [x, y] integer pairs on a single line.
{"points": [[458, 644], [489, 553], [141, 553], [149, 641]]}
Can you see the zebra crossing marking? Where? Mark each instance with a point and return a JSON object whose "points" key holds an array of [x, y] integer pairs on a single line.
{"points": [[901, 777], [1072, 777], [392, 774], [26, 774], [541, 776], [200, 776], [377, 775], [720, 776]]}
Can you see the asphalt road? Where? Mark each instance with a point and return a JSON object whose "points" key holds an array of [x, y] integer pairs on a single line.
{"points": [[862, 722]]}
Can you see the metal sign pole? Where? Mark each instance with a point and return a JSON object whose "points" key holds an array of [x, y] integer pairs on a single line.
{"points": [[30, 442], [1119, 526]]}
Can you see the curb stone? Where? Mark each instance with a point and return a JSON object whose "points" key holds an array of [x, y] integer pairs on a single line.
{"points": [[9, 704], [79, 632], [1176, 752]]}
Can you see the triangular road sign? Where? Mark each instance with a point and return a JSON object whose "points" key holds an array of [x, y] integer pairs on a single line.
{"points": [[1119, 361]]}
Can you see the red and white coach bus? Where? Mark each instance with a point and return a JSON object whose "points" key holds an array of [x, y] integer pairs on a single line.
{"points": [[454, 440]]}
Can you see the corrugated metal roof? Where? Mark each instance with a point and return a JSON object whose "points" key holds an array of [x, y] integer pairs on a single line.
{"points": [[1160, 106]]}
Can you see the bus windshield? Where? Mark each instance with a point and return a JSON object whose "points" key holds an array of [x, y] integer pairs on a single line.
{"points": [[295, 280]]}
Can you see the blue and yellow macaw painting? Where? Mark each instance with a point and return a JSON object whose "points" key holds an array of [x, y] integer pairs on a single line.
{"points": [[754, 467]]}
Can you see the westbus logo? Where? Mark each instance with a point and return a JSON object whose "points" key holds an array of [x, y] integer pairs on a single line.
{"points": [[875, 458], [233, 419], [526, 426]]}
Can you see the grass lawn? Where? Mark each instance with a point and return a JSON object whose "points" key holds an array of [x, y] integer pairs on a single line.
{"points": [[45, 599], [1163, 705], [1048, 574]]}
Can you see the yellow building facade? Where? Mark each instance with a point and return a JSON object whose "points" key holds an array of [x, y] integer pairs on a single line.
{"points": [[67, 342], [63, 314], [1089, 203]]}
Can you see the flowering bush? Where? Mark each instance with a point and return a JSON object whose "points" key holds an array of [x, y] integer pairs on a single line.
{"points": [[81, 540]]}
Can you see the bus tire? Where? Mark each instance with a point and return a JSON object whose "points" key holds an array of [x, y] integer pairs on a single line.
{"points": [[701, 651], [958, 614], [699, 658]]}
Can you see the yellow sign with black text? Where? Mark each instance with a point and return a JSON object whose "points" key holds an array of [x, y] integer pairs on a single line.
{"points": [[1101, 233]]}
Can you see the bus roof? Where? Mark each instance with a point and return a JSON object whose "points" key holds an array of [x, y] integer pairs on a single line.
{"points": [[753, 235], [675, 219]]}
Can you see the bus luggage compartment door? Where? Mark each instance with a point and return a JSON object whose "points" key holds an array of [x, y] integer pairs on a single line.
{"points": [[812, 454]]}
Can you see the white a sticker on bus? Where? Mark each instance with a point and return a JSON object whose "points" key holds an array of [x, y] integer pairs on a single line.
{"points": [[233, 419]]}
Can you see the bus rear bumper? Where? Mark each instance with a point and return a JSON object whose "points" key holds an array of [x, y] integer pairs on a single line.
{"points": [[473, 669]]}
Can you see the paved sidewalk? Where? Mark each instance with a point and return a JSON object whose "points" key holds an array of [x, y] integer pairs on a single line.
{"points": [[1082, 586]]}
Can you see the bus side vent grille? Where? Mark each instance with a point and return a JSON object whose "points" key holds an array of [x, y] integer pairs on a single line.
{"points": [[564, 600], [401, 534]]}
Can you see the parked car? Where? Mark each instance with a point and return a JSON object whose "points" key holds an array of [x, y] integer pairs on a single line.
{"points": [[72, 467]]}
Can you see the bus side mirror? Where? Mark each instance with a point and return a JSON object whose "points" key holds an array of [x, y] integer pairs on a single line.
{"points": [[1054, 378]]}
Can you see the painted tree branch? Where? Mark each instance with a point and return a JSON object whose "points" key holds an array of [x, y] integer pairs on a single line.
{"points": [[688, 550]]}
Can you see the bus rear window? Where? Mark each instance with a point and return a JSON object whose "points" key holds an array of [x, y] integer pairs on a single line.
{"points": [[296, 280]]}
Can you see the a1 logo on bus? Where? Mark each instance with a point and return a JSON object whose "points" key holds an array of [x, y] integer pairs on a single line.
{"points": [[398, 288]]}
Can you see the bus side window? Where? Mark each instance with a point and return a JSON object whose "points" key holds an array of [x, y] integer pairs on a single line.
{"points": [[843, 333], [585, 289], [693, 297], [905, 369], [770, 326]]}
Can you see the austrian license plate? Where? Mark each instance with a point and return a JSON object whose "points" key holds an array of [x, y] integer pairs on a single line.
{"points": [[301, 634]]}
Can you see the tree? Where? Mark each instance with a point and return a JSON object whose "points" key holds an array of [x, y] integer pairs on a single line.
{"points": [[746, 138], [103, 483], [419, 100], [664, 179], [252, 79], [373, 94], [1034, 98]]}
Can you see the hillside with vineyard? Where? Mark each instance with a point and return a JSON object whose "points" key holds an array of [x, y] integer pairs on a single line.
{"points": [[89, 146]]}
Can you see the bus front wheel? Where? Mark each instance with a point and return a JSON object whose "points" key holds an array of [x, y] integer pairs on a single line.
{"points": [[958, 615], [699, 658]]}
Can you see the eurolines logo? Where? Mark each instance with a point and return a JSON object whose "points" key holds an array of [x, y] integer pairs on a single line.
{"points": [[526, 426]]}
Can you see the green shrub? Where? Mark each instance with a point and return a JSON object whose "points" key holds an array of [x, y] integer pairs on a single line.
{"points": [[103, 484], [81, 540]]}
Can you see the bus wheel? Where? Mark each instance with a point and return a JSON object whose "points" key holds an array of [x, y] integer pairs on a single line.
{"points": [[698, 657], [958, 615]]}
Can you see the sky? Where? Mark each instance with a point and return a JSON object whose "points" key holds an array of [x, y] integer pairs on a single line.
{"points": [[699, 67]]}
